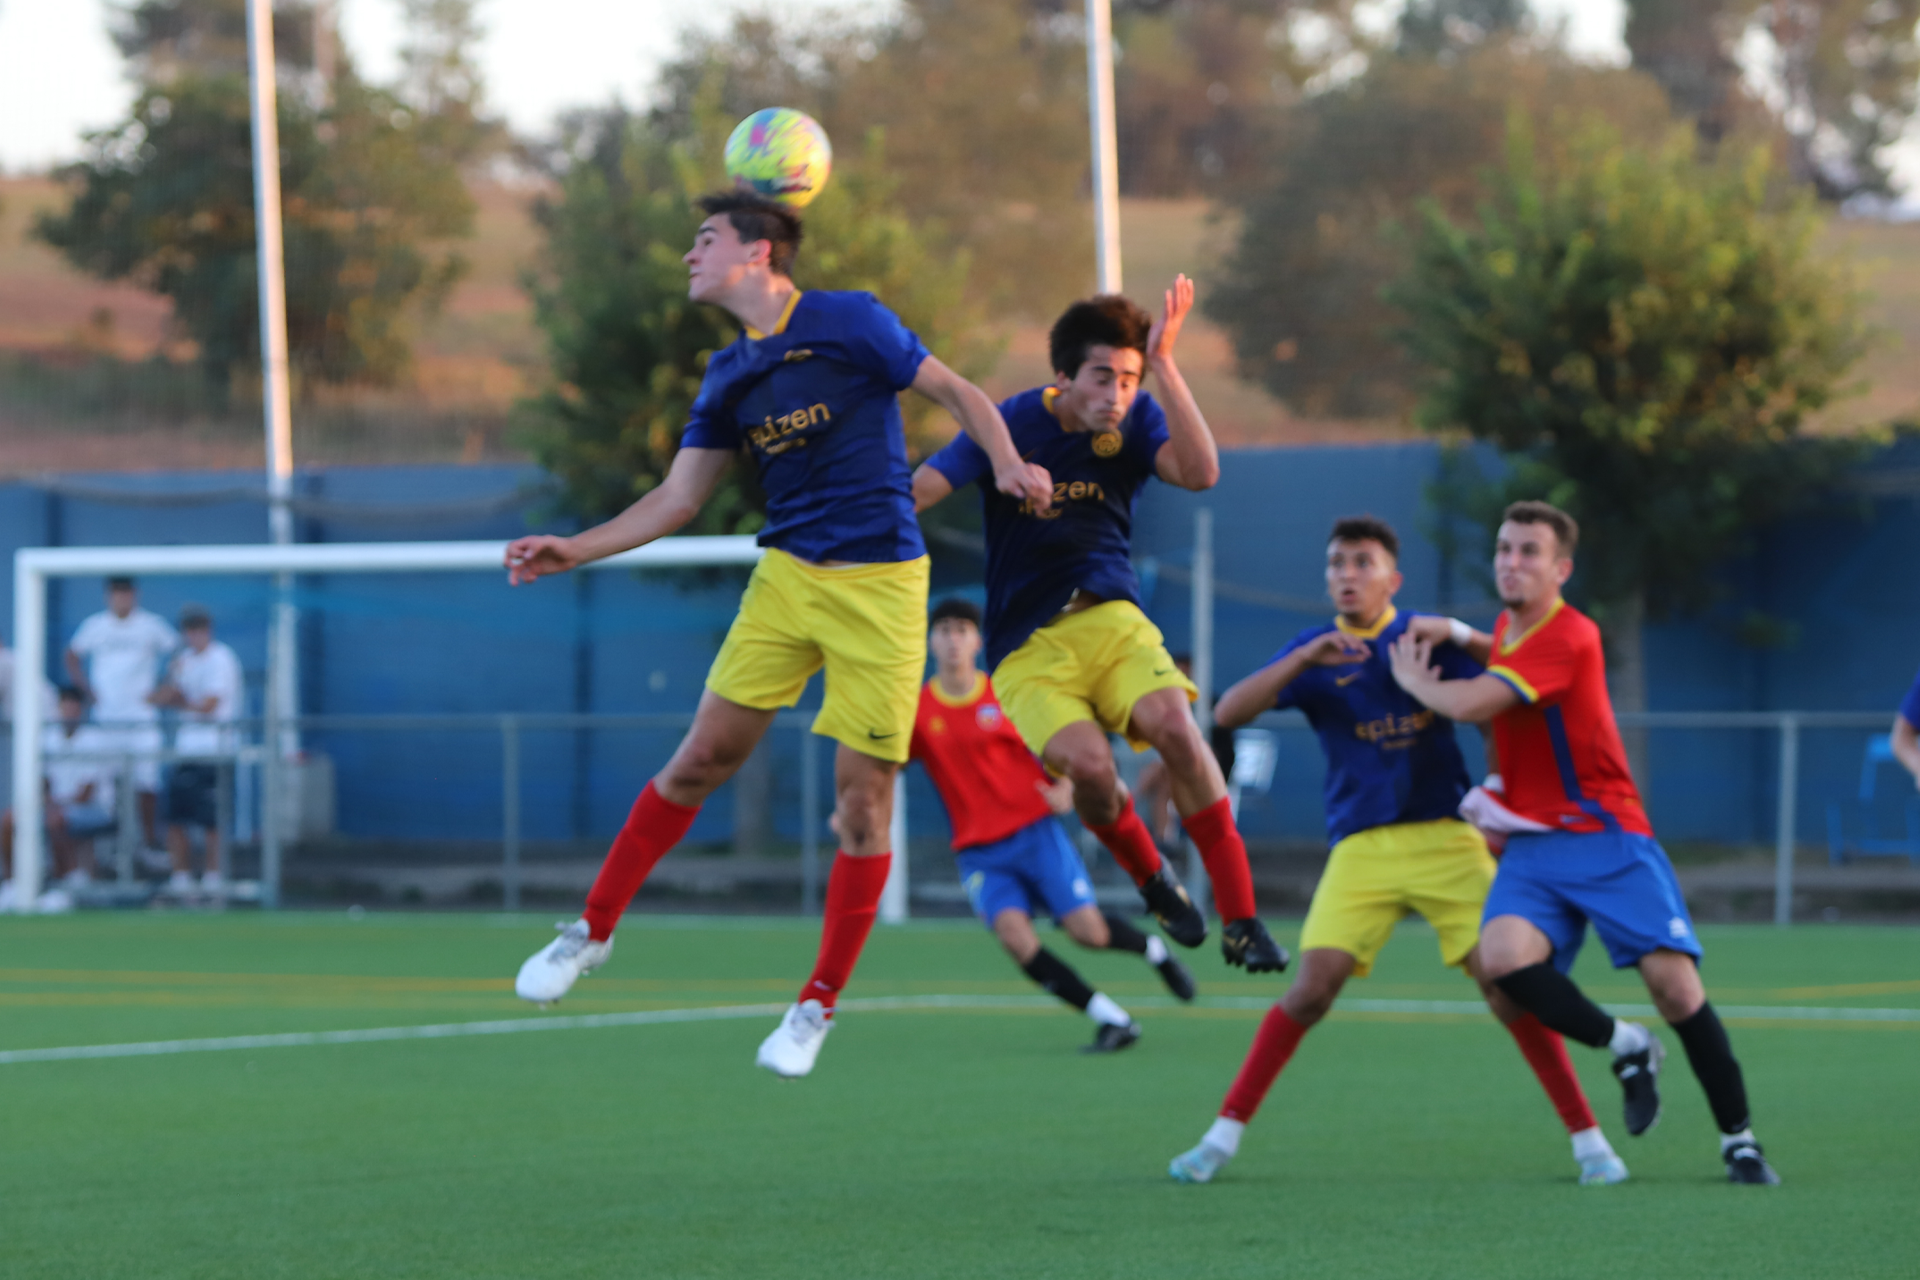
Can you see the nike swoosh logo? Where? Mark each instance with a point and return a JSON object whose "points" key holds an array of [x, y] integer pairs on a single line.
{"points": [[1161, 671], [882, 737], [1344, 681]]}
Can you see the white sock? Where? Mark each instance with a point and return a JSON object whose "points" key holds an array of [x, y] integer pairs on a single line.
{"points": [[1628, 1037], [1156, 950], [1728, 1140], [1225, 1135], [1591, 1144], [1103, 1010]]}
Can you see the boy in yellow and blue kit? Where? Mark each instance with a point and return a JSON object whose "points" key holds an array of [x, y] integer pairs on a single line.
{"points": [[1395, 782]]}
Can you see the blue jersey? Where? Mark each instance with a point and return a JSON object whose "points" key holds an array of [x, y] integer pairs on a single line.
{"points": [[816, 401], [1910, 709], [1389, 759], [1085, 540]]}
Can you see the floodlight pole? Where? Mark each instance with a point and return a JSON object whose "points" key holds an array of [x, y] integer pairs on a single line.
{"points": [[1106, 147], [283, 707]]}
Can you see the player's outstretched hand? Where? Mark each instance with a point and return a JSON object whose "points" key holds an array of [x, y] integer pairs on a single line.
{"points": [[1029, 481], [1412, 662], [1173, 313], [1337, 649], [538, 556], [1058, 794]]}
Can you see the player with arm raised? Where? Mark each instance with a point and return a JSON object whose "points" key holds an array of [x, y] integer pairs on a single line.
{"points": [[1073, 656], [1015, 861], [1579, 847], [1395, 779], [810, 389]]}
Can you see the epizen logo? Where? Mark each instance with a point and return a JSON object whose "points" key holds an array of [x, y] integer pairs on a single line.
{"points": [[777, 435]]}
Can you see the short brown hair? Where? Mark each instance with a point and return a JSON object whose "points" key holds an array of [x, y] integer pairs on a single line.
{"points": [[1566, 531], [1106, 320], [757, 218], [1366, 529]]}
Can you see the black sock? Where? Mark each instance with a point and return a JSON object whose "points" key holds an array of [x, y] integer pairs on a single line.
{"points": [[1550, 996], [1711, 1055], [1058, 977], [1122, 936]]}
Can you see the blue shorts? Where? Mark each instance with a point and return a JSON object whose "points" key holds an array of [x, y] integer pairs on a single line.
{"points": [[1619, 881], [1035, 870]]}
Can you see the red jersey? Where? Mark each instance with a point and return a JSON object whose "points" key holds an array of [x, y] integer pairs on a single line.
{"points": [[979, 764], [1560, 751]]}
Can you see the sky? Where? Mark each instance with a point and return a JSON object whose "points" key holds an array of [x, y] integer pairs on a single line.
{"points": [[60, 75]]}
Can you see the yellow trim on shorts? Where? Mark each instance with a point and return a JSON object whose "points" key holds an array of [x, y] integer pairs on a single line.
{"points": [[1092, 665]]}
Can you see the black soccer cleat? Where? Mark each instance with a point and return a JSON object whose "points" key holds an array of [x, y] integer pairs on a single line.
{"points": [[1168, 901], [1179, 981], [1639, 1077], [1248, 945], [1747, 1164], [1112, 1039]]}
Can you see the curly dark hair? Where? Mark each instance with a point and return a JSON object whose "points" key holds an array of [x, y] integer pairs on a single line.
{"points": [[1107, 320], [1366, 529], [757, 218]]}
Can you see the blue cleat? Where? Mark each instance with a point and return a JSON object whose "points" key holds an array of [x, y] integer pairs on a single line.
{"points": [[1602, 1171], [1199, 1164]]}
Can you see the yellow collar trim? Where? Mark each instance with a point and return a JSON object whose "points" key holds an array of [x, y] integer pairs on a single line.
{"points": [[1514, 642], [1047, 397], [1372, 632], [786, 314], [972, 696]]}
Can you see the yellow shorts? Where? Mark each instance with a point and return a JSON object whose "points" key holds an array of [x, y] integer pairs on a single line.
{"points": [[867, 624], [1441, 869], [1092, 665]]}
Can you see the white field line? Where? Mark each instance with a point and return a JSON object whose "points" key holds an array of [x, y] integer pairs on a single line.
{"points": [[876, 1004]]}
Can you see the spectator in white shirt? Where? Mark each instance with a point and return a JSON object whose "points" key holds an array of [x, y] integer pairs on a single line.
{"points": [[79, 803], [114, 659], [48, 709], [205, 682]]}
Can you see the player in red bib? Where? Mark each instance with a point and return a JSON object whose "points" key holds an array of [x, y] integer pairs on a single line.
{"points": [[1015, 860], [1579, 849]]}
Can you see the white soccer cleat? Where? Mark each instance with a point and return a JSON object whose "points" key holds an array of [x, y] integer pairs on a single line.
{"points": [[1199, 1164], [180, 887], [1602, 1170], [9, 900], [795, 1043], [550, 972], [54, 902]]}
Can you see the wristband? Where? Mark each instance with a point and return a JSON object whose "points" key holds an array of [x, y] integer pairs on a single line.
{"points": [[1461, 632]]}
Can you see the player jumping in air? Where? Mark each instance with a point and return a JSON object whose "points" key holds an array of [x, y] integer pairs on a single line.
{"points": [[1579, 849], [809, 388], [1015, 861], [1395, 779], [1073, 656]]}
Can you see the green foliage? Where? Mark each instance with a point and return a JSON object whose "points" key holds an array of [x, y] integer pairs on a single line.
{"points": [[1644, 337], [165, 200], [1300, 293], [626, 347]]}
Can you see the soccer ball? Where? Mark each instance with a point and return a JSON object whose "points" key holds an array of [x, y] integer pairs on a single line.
{"points": [[781, 154]]}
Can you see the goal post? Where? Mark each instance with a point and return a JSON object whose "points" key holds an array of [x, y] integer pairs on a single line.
{"points": [[34, 567]]}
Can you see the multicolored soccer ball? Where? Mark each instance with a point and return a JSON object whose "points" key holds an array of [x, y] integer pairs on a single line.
{"points": [[781, 154]]}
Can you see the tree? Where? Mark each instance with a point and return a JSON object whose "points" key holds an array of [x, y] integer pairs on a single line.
{"points": [[1645, 336], [1300, 292], [626, 347]]}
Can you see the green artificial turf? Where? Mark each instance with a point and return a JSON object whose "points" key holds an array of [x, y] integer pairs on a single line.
{"points": [[955, 1142]]}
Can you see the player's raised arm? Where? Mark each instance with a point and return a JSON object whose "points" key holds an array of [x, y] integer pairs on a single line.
{"points": [[1474, 701], [1436, 630], [1189, 458], [980, 418], [1257, 692], [690, 481]]}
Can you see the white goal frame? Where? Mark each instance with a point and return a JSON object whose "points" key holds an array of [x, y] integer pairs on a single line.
{"points": [[34, 567]]}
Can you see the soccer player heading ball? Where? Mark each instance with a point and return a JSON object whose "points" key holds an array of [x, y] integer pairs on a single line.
{"points": [[1072, 655], [1015, 860], [809, 389], [1579, 849]]}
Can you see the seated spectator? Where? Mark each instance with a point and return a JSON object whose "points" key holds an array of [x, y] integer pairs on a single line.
{"points": [[79, 800], [205, 682]]}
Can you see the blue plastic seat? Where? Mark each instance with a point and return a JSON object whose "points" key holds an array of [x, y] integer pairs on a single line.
{"points": [[1872, 843]]}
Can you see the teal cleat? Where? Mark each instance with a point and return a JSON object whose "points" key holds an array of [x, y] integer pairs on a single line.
{"points": [[1602, 1171], [1199, 1164]]}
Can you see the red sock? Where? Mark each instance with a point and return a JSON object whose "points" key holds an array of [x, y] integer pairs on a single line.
{"points": [[1273, 1044], [1225, 854], [1130, 843], [853, 898], [654, 825], [1546, 1053]]}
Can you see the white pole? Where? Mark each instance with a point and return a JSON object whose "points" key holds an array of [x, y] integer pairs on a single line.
{"points": [[1106, 148], [275, 390], [29, 669], [893, 898]]}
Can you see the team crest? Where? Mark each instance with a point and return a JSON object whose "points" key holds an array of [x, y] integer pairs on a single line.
{"points": [[1107, 443], [987, 717], [938, 724]]}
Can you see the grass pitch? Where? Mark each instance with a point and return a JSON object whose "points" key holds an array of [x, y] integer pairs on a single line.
{"points": [[930, 1142]]}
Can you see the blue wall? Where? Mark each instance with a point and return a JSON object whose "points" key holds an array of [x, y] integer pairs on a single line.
{"points": [[614, 642]]}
